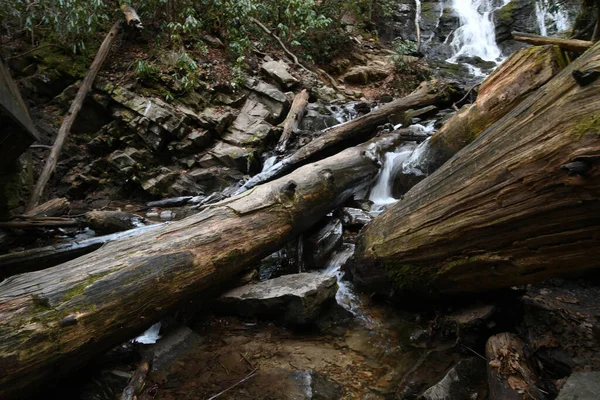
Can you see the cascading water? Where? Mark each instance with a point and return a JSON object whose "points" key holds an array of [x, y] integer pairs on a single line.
{"points": [[381, 193], [544, 12], [476, 35]]}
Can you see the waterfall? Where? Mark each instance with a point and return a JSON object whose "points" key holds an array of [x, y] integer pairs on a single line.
{"points": [[544, 11], [381, 194], [476, 35]]}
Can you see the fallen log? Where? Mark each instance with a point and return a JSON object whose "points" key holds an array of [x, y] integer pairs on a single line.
{"points": [[510, 375], [290, 125], [41, 222], [52, 208], [516, 78], [574, 45], [136, 384], [519, 204], [54, 320], [357, 130], [49, 256]]}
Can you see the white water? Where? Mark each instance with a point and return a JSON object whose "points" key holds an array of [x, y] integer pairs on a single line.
{"points": [[381, 193], [558, 17], [476, 35]]}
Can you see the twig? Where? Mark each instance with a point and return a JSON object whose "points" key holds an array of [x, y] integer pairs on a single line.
{"points": [[248, 361], [474, 352], [40, 146], [250, 375], [465, 96], [33, 50]]}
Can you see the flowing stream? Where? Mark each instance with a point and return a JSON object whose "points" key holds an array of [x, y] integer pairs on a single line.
{"points": [[544, 12]]}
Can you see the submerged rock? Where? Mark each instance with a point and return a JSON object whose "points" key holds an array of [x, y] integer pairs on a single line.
{"points": [[293, 299]]}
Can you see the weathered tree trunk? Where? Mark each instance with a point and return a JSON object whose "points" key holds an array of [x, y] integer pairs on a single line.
{"points": [[357, 130], [52, 208], [515, 79], [519, 204], [293, 118], [54, 320], [65, 128], [510, 374], [49, 256], [574, 45], [40, 222]]}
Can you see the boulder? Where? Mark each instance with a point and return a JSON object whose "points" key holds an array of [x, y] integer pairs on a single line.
{"points": [[218, 118], [121, 162], [159, 184], [466, 380], [185, 186], [320, 244], [362, 75], [293, 299], [231, 156], [278, 71], [355, 217], [581, 386], [516, 15]]}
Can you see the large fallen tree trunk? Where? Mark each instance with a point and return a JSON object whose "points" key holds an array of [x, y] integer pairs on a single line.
{"points": [[54, 320], [574, 45], [355, 131], [520, 204], [515, 79], [290, 125]]}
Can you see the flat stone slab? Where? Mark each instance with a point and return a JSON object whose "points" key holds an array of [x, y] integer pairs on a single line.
{"points": [[581, 386], [293, 299]]}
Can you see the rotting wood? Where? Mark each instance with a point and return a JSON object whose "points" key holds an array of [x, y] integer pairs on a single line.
{"points": [[290, 125], [519, 204], [357, 130], [510, 374], [67, 314], [574, 45], [136, 384], [41, 222], [52, 208]]}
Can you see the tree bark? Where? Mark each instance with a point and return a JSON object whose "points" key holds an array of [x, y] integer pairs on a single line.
{"points": [[519, 204], [54, 320], [65, 128], [510, 375], [52, 208], [290, 125], [516, 78], [358, 130], [41, 222], [574, 45]]}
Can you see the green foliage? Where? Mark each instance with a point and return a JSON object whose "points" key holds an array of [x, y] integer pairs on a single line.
{"points": [[145, 70]]}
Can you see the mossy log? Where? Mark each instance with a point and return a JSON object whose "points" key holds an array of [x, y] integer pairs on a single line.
{"points": [[574, 45], [519, 204], [356, 131], [54, 320], [515, 79]]}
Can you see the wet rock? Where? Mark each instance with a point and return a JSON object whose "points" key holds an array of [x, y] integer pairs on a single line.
{"points": [[562, 324], [249, 130], [160, 184], [278, 71], [465, 381], [121, 161], [194, 142], [293, 299], [218, 118], [581, 386], [105, 222], [172, 345], [477, 62], [516, 15], [185, 186], [355, 217], [310, 385], [215, 178], [402, 24], [105, 385], [231, 156], [319, 245], [362, 75], [166, 215]]}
